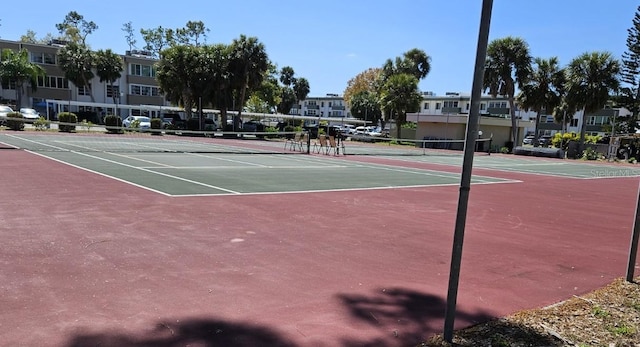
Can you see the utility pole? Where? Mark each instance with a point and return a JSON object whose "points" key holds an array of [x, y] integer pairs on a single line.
{"points": [[467, 166]]}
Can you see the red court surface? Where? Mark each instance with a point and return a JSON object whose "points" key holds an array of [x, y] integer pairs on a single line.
{"points": [[90, 261]]}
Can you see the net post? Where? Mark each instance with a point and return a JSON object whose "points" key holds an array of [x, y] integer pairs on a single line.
{"points": [[308, 142]]}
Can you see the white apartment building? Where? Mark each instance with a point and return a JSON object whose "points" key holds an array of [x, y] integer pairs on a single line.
{"points": [[446, 117], [136, 86], [329, 106]]}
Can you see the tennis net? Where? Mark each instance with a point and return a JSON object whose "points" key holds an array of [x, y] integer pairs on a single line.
{"points": [[368, 145], [86, 137], [97, 138]]}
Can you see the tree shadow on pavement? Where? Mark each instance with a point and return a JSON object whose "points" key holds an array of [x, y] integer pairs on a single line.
{"points": [[404, 317], [195, 332]]}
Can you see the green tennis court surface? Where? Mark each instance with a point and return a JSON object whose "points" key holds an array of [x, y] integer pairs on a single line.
{"points": [[185, 174], [185, 166]]}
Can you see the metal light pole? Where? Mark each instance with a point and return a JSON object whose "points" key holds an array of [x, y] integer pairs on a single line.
{"points": [[467, 166]]}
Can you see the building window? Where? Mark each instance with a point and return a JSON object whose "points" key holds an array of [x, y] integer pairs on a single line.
{"points": [[142, 70], [53, 82], [322, 104], [43, 58], [450, 104], [467, 105], [426, 105], [311, 103], [438, 105], [574, 122], [8, 84], [311, 112], [329, 103], [113, 91], [36, 57], [497, 104], [483, 106], [136, 89], [49, 58], [84, 90]]}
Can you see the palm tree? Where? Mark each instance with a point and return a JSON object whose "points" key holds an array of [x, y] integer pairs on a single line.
{"points": [[591, 78], [301, 88], [16, 67], [544, 89], [414, 62], [400, 95], [508, 65], [109, 66], [176, 74], [76, 61], [249, 63]]}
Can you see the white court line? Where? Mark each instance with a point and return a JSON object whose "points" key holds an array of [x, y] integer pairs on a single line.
{"points": [[226, 159], [138, 159], [10, 145], [419, 171], [246, 168], [348, 189], [101, 174], [132, 167], [538, 173], [523, 164]]}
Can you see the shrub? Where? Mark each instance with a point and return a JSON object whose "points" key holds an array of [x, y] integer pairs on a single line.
{"points": [[135, 124], [85, 125], [590, 154], [156, 124], [113, 124], [409, 125], [561, 140], [504, 150], [41, 124], [70, 119], [271, 132], [14, 121]]}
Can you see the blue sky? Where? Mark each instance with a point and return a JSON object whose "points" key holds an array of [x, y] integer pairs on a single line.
{"points": [[330, 41]]}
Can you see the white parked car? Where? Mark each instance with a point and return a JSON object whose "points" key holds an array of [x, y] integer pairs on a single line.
{"points": [[361, 130], [374, 132], [30, 114], [528, 140], [348, 129], [4, 110], [143, 122]]}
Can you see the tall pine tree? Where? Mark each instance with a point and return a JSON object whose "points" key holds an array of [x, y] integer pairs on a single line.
{"points": [[629, 96]]}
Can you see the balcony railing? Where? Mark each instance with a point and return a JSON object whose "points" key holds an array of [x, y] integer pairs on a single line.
{"points": [[451, 110], [498, 111]]}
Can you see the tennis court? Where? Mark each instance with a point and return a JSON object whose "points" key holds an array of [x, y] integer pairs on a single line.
{"points": [[220, 166], [241, 243]]}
